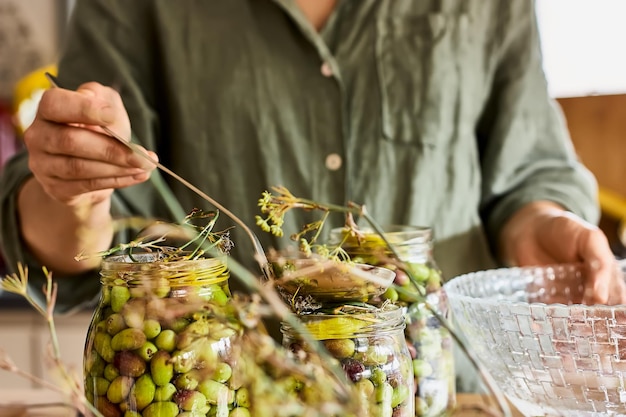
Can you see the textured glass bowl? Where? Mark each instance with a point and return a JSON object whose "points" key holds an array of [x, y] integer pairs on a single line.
{"points": [[550, 355]]}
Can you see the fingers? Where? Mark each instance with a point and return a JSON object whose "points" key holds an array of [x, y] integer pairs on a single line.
{"points": [[604, 282], [76, 142], [616, 289], [93, 104], [70, 155], [557, 236], [70, 191], [595, 252], [617, 295]]}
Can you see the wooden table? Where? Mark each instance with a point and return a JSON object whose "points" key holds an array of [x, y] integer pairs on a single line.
{"points": [[12, 404]]}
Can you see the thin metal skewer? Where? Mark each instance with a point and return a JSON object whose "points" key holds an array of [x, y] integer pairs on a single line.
{"points": [[261, 258]]}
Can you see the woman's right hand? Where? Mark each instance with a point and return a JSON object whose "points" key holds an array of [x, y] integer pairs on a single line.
{"points": [[64, 209], [70, 156]]}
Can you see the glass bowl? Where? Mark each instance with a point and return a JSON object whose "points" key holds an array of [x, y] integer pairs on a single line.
{"points": [[550, 355]]}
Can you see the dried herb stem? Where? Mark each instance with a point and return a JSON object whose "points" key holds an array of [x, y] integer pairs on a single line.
{"points": [[18, 284]]}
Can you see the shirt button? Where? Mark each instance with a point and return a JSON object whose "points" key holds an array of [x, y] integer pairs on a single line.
{"points": [[333, 162], [327, 71]]}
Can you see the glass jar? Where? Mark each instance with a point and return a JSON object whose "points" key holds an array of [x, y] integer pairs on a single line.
{"points": [[369, 344], [429, 342], [158, 344]]}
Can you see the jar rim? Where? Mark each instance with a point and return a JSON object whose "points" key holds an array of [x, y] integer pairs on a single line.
{"points": [[149, 266], [160, 259], [395, 233]]}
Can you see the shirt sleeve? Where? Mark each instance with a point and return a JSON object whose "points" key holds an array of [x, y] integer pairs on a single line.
{"points": [[73, 292], [525, 149]]}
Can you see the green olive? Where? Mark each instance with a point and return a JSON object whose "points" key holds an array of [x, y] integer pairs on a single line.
{"points": [[400, 394], [218, 296], [165, 393], [115, 323], [151, 328], [128, 339], [178, 325], [101, 386], [383, 393], [119, 389], [242, 398], [378, 376], [166, 340], [105, 295], [191, 401], [223, 372], [95, 365], [161, 409], [161, 368], [146, 351], [239, 412], [111, 372], [119, 296], [183, 361], [102, 345], [188, 380], [143, 391], [375, 355], [340, 348], [419, 272], [391, 294], [215, 392]]}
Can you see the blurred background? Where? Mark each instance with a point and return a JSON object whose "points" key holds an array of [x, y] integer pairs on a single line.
{"points": [[584, 62]]}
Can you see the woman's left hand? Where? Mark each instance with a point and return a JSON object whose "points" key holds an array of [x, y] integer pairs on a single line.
{"points": [[543, 233]]}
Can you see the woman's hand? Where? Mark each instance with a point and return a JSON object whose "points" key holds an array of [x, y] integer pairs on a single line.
{"points": [[70, 157], [64, 209], [544, 233]]}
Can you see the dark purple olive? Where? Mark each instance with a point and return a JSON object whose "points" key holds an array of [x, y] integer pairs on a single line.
{"points": [[129, 364], [353, 368]]}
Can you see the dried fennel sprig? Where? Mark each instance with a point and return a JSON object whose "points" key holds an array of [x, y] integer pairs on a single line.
{"points": [[197, 238], [276, 206], [18, 284]]}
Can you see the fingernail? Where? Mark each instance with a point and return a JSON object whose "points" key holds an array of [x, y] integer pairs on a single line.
{"points": [[107, 115], [153, 156], [138, 161]]}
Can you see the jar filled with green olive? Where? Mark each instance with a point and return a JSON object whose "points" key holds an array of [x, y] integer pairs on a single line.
{"points": [[429, 342], [368, 343], [159, 341]]}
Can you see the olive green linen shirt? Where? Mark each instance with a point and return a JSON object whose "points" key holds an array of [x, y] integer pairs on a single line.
{"points": [[427, 112]]}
